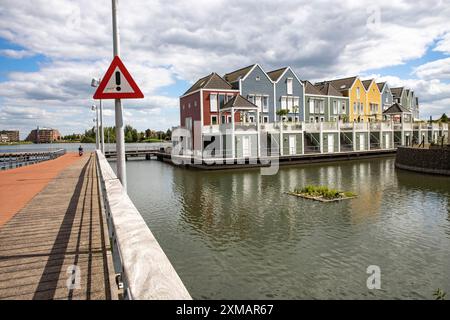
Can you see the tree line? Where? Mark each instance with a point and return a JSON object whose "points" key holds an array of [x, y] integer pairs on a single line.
{"points": [[131, 135]]}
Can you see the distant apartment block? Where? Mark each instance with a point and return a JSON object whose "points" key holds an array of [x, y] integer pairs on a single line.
{"points": [[43, 135], [10, 135]]}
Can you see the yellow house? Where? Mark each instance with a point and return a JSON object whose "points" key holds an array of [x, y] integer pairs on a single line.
{"points": [[354, 89], [373, 110]]}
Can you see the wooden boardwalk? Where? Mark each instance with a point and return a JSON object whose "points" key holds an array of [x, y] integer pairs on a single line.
{"points": [[57, 246]]}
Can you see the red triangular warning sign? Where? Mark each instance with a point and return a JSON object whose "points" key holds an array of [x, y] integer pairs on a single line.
{"points": [[117, 83]]}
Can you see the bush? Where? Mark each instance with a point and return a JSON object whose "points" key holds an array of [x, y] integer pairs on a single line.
{"points": [[322, 191]]}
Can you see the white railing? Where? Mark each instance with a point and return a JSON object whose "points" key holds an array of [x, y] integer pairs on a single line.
{"points": [[147, 273], [361, 126], [407, 126], [312, 127], [386, 126], [375, 126], [329, 126]]}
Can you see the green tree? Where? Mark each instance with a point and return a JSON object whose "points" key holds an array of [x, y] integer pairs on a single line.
{"points": [[444, 118], [282, 112]]}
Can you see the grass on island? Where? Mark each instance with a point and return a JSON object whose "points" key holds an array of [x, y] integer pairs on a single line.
{"points": [[322, 193]]}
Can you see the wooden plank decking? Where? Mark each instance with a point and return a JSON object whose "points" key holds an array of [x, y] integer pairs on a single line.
{"points": [[61, 227]]}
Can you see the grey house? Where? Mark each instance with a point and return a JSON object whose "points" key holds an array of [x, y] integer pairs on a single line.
{"points": [[257, 87], [387, 98], [324, 103], [289, 94]]}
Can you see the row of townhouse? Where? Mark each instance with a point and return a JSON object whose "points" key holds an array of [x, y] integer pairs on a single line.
{"points": [[298, 116]]}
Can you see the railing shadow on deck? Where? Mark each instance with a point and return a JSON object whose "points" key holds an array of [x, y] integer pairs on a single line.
{"points": [[48, 283], [145, 270]]}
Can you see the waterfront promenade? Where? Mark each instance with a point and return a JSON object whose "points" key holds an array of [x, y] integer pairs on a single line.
{"points": [[53, 233]]}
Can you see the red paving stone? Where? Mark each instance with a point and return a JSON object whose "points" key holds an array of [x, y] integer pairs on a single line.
{"points": [[18, 186]]}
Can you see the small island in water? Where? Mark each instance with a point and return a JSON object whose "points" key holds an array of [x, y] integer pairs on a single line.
{"points": [[322, 193]]}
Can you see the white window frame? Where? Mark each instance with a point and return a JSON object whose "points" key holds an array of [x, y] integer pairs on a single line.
{"points": [[258, 102], [265, 103], [335, 107], [290, 86], [265, 119], [213, 102], [214, 116], [290, 104], [229, 118], [296, 102], [311, 106], [251, 98], [343, 107], [283, 102], [322, 107]]}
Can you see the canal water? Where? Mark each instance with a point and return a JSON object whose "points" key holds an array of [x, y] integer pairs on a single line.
{"points": [[237, 235]]}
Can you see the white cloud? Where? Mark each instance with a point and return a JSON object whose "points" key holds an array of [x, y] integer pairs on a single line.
{"points": [[16, 54], [438, 69]]}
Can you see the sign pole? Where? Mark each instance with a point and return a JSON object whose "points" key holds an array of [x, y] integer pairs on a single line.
{"points": [[120, 135], [102, 135]]}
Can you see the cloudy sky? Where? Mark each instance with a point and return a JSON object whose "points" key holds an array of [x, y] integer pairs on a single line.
{"points": [[50, 50]]}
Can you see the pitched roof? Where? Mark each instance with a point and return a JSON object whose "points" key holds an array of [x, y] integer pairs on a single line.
{"points": [[276, 74], [211, 81], [328, 89], [311, 89], [239, 101], [397, 92], [238, 74], [396, 108], [381, 86], [366, 83], [343, 84]]}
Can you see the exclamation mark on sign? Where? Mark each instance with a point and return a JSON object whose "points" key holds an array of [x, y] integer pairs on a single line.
{"points": [[118, 81]]}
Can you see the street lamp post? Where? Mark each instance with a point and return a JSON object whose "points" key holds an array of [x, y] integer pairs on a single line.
{"points": [[97, 140], [95, 83]]}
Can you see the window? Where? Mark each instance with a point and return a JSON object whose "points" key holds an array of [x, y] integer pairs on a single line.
{"points": [[335, 107], [195, 103], [189, 105], [221, 100], [354, 107], [297, 103], [213, 102], [322, 107], [257, 78], [213, 119], [316, 106], [258, 102], [361, 107], [289, 85], [223, 119], [229, 119], [251, 119], [357, 93], [317, 119], [265, 103], [183, 106], [283, 103], [265, 119], [322, 119], [251, 98], [343, 107], [289, 104], [311, 106]]}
